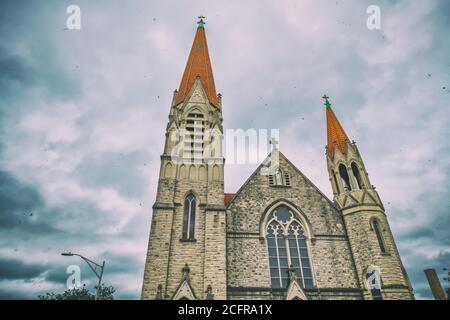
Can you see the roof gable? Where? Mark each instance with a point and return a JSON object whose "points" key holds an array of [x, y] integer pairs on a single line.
{"points": [[264, 165]]}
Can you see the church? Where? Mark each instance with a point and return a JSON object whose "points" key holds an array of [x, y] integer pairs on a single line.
{"points": [[278, 236]]}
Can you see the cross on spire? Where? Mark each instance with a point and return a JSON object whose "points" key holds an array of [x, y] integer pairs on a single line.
{"points": [[327, 103], [335, 132], [198, 64], [274, 142], [200, 22]]}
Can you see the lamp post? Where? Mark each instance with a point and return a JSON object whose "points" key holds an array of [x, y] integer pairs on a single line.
{"points": [[93, 265]]}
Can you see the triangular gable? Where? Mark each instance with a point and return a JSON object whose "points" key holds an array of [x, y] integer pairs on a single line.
{"points": [[266, 160], [295, 292], [309, 181], [197, 94], [184, 292], [367, 198], [350, 201]]}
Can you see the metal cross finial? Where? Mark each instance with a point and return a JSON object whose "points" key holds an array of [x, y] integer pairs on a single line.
{"points": [[327, 103], [201, 23]]}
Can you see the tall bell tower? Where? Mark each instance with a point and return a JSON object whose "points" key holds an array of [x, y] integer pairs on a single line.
{"points": [[379, 267], [186, 252]]}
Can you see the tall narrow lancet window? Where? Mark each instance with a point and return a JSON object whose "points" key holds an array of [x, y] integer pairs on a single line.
{"points": [[189, 217], [357, 176], [345, 178], [377, 230], [287, 246]]}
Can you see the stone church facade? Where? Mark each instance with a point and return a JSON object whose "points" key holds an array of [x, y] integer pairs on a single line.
{"points": [[278, 236]]}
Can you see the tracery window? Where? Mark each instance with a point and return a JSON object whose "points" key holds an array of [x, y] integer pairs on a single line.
{"points": [[287, 246]]}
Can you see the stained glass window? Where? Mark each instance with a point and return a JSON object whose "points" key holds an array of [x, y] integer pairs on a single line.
{"points": [[287, 246]]}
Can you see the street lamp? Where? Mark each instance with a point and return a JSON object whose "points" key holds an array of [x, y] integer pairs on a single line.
{"points": [[91, 265]]}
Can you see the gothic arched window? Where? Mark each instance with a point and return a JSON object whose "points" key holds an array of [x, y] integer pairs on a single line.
{"points": [[344, 176], [189, 217], [287, 246], [357, 176], [377, 230]]}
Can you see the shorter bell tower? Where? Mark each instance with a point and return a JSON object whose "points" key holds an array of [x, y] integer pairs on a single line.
{"points": [[380, 270]]}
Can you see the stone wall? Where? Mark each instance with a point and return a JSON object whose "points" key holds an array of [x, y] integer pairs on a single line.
{"points": [[247, 257], [168, 253], [367, 252]]}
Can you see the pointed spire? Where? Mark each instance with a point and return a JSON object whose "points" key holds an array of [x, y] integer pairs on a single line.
{"points": [[198, 66], [335, 132]]}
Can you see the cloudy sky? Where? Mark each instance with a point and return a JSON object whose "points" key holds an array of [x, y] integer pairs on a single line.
{"points": [[83, 114]]}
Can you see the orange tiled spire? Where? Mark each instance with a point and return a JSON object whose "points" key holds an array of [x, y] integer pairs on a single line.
{"points": [[335, 132], [198, 64]]}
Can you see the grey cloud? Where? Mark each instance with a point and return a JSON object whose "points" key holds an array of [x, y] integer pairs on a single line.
{"points": [[20, 206], [13, 269], [116, 170], [417, 275], [15, 195], [425, 239], [424, 232], [14, 69], [31, 60], [7, 294], [57, 274], [436, 230]]}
